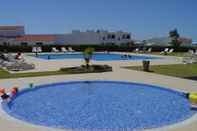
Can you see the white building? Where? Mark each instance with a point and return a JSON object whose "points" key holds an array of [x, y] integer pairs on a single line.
{"points": [[95, 37], [15, 35], [165, 41]]}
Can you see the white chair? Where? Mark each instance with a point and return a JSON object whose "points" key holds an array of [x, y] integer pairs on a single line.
{"points": [[70, 49], [63, 49], [54, 49]]}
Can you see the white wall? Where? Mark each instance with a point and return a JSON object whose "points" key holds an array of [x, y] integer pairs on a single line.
{"points": [[91, 37]]}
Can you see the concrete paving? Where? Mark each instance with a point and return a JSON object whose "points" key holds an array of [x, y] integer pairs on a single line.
{"points": [[10, 124]]}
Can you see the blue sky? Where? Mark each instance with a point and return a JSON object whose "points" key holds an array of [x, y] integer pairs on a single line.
{"points": [[143, 18]]}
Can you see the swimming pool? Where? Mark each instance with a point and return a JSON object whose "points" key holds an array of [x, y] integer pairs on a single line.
{"points": [[96, 56], [100, 105]]}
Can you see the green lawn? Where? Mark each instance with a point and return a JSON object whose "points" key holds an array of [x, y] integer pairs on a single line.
{"points": [[4, 74], [72, 70], [178, 70]]}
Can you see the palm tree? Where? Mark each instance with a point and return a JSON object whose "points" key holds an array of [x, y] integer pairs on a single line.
{"points": [[88, 52], [174, 36]]}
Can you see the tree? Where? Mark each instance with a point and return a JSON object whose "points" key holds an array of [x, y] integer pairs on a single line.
{"points": [[88, 52], [174, 38]]}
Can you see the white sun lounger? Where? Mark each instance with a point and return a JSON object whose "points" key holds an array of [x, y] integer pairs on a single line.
{"points": [[54, 49], [165, 51], [63, 49], [70, 49], [149, 50], [170, 51]]}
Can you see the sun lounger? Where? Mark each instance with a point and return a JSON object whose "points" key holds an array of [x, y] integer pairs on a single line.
{"points": [[63, 49], [170, 51], [70, 49], [165, 51], [54, 50], [190, 57], [149, 50], [191, 52]]}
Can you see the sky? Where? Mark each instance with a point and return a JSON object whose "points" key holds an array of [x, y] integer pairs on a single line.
{"points": [[144, 19]]}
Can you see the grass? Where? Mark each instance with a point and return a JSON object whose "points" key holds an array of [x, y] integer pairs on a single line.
{"points": [[178, 70], [5, 74], [74, 70]]}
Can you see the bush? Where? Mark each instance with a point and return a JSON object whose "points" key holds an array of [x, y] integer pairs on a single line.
{"points": [[91, 69]]}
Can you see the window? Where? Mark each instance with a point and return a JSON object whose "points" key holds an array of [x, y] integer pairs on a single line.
{"points": [[39, 43], [24, 44], [128, 37], [5, 43], [103, 38], [113, 36]]}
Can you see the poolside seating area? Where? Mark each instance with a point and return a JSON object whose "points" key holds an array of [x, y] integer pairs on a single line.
{"points": [[53, 49], [36, 49], [15, 63], [190, 57], [167, 51], [62, 49], [144, 50]]}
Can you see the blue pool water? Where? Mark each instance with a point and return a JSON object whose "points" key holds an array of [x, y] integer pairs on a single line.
{"points": [[96, 56], [100, 105]]}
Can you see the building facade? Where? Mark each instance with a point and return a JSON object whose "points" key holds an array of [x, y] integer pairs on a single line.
{"points": [[15, 35], [165, 41]]}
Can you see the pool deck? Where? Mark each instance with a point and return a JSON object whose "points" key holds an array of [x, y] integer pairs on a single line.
{"points": [[8, 123]]}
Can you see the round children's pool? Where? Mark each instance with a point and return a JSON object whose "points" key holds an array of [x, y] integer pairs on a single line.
{"points": [[99, 105]]}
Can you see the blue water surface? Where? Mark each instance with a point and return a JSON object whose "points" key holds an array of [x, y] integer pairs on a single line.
{"points": [[100, 105], [96, 56]]}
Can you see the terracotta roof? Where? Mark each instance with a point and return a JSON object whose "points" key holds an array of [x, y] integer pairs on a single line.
{"points": [[37, 38], [11, 27]]}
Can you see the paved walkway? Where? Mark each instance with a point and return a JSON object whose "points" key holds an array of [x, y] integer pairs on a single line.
{"points": [[10, 124]]}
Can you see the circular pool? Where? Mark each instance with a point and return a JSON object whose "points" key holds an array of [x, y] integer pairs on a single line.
{"points": [[99, 105]]}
